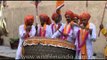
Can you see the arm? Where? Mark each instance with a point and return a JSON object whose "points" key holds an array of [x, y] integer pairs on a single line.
{"points": [[21, 32], [57, 33], [93, 35]]}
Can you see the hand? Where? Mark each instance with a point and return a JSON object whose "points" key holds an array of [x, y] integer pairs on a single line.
{"points": [[28, 28], [25, 35], [101, 26]]}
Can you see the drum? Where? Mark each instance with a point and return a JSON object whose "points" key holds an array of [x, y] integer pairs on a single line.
{"points": [[47, 48]]}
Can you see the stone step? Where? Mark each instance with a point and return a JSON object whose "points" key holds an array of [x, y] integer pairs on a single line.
{"points": [[7, 52]]}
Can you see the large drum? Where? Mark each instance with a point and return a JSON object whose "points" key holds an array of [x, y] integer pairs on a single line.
{"points": [[46, 48]]}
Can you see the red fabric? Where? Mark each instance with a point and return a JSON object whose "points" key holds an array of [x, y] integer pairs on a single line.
{"points": [[54, 15], [76, 15], [46, 18], [70, 13], [29, 19], [85, 15]]}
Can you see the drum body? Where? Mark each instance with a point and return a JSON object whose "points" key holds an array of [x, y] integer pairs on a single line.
{"points": [[45, 48]]}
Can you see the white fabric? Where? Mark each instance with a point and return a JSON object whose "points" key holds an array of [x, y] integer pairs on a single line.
{"points": [[71, 34], [54, 28], [21, 33], [89, 41], [48, 31]]}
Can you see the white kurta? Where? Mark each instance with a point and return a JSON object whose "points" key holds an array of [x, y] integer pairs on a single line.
{"points": [[48, 31], [89, 41], [53, 30], [21, 36], [71, 34]]}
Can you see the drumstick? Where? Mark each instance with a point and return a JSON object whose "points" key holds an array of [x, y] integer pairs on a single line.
{"points": [[102, 18], [62, 33]]}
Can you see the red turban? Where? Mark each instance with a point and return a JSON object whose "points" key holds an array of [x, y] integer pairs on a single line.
{"points": [[46, 18], [85, 15], [29, 19], [76, 15], [54, 15], [70, 13]]}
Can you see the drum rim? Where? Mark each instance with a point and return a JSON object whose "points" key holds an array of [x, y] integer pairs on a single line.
{"points": [[52, 39]]}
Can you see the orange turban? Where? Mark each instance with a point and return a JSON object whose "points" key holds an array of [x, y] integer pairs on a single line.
{"points": [[29, 19], [45, 18], [76, 15], [70, 13], [54, 15], [85, 15]]}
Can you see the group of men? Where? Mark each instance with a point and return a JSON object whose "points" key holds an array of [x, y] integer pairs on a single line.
{"points": [[77, 30]]}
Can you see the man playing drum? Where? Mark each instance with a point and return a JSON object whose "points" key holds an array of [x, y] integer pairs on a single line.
{"points": [[57, 22], [66, 32], [44, 28], [85, 36], [25, 30]]}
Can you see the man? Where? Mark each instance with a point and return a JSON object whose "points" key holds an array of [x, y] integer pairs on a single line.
{"points": [[76, 18], [86, 34], [104, 32], [66, 32], [56, 22], [44, 29], [26, 30]]}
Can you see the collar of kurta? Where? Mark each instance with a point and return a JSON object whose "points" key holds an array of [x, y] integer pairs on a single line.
{"points": [[42, 31]]}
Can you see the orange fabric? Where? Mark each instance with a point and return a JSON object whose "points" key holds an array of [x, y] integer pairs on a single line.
{"points": [[83, 48], [66, 28], [59, 3], [70, 13], [46, 18], [43, 30], [85, 15], [27, 20], [83, 33]]}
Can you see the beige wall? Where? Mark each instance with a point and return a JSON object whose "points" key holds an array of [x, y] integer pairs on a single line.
{"points": [[18, 9]]}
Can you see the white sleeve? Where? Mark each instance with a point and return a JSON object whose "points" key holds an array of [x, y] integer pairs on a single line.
{"points": [[49, 31], [76, 29], [57, 33], [21, 32], [32, 32], [93, 36]]}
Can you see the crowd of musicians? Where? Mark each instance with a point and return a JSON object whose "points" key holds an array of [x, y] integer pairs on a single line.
{"points": [[77, 29]]}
